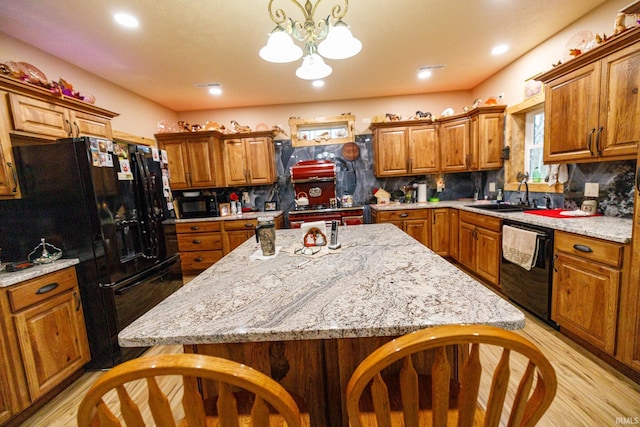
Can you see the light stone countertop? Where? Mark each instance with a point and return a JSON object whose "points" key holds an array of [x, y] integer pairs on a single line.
{"points": [[13, 278], [380, 283], [602, 227]]}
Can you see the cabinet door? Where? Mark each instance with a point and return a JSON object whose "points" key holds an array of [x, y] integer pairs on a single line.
{"points": [[202, 165], [89, 125], [424, 150], [260, 160], [178, 166], [489, 137], [487, 255], [454, 233], [8, 175], [391, 151], [571, 115], [235, 170], [620, 104], [467, 246], [585, 299], [454, 146], [53, 341], [440, 233], [236, 238], [5, 403], [44, 118], [418, 229]]}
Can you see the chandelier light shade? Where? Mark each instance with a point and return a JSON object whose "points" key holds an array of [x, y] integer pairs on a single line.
{"points": [[329, 37]]}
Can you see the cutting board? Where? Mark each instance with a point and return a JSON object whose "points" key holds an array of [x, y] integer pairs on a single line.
{"points": [[555, 213]]}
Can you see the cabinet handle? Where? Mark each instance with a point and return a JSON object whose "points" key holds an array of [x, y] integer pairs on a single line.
{"points": [[77, 130], [553, 263], [598, 140], [403, 215], [638, 180], [196, 241], [195, 227], [14, 174], [590, 140], [249, 225], [582, 248], [47, 288], [199, 259], [70, 131], [77, 300], [410, 165]]}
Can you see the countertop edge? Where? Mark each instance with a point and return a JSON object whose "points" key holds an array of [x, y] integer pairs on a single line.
{"points": [[16, 277]]}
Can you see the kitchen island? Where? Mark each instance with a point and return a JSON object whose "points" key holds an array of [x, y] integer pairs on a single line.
{"points": [[308, 321]]}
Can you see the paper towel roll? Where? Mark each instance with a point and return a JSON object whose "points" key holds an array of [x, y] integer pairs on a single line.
{"points": [[422, 193]]}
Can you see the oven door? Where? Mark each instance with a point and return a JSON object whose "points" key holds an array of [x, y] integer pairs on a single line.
{"points": [[137, 295]]}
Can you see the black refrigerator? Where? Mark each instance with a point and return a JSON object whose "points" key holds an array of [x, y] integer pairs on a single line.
{"points": [[104, 203]]}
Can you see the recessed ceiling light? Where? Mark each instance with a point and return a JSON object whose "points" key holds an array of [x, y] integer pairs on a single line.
{"points": [[126, 20], [499, 49], [318, 83], [213, 88]]}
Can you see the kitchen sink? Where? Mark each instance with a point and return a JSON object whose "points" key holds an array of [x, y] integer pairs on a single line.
{"points": [[499, 207]]}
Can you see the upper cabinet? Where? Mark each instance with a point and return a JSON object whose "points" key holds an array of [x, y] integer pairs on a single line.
{"points": [[470, 141], [194, 160], [592, 104], [249, 159], [209, 159]]}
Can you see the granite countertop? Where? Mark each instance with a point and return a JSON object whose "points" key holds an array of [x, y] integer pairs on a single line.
{"points": [[602, 227], [244, 215], [381, 282], [13, 278]]}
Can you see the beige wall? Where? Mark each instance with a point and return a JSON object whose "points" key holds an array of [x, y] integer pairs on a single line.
{"points": [[510, 80], [138, 116]]}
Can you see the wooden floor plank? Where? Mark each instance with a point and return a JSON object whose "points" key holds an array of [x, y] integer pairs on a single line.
{"points": [[590, 392]]}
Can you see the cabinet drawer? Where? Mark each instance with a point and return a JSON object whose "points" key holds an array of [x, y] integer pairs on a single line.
{"points": [[39, 289], [197, 227], [608, 253], [200, 241], [241, 224], [401, 215], [484, 221], [199, 260]]}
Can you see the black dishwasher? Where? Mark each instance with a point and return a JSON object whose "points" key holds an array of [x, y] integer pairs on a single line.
{"points": [[531, 289]]}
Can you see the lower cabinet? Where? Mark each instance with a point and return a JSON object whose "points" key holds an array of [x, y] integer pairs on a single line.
{"points": [[440, 231], [200, 245], [480, 245], [454, 233], [46, 337], [587, 280], [414, 222]]}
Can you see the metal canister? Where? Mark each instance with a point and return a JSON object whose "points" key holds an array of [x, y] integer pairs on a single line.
{"points": [[266, 235]]}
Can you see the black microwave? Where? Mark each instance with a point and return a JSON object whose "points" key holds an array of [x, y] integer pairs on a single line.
{"points": [[197, 207]]}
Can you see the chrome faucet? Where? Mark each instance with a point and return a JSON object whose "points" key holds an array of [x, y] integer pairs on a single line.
{"points": [[524, 178]]}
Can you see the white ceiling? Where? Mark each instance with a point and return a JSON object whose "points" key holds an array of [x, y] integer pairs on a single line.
{"points": [[184, 42]]}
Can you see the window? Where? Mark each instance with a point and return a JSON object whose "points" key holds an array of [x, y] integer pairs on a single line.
{"points": [[534, 145]]}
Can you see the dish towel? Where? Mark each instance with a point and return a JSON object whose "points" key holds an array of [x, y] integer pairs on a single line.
{"points": [[519, 246], [558, 173]]}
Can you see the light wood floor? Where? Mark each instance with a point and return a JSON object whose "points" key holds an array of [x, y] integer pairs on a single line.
{"points": [[590, 393]]}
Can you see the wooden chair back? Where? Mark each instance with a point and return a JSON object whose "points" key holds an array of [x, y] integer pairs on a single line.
{"points": [[411, 400], [227, 374]]}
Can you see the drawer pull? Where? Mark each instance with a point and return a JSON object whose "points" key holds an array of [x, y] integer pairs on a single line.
{"points": [[249, 225], [47, 288], [195, 227], [196, 241], [582, 248], [403, 215], [77, 300], [199, 259]]}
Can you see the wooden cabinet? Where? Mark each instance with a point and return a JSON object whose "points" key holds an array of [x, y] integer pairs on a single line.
{"points": [[249, 160], [454, 233], [50, 119], [440, 233], [238, 231], [46, 335], [587, 279], [592, 104], [8, 175], [406, 150], [5, 390], [414, 222], [454, 145], [480, 245], [486, 137], [194, 160], [200, 245]]}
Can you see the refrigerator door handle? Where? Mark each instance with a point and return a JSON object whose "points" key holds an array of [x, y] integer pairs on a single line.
{"points": [[150, 239]]}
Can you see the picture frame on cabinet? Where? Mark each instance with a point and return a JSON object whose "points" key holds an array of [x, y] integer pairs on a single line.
{"points": [[271, 205], [225, 209]]}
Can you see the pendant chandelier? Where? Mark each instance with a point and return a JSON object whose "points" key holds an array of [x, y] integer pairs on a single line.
{"points": [[334, 37]]}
